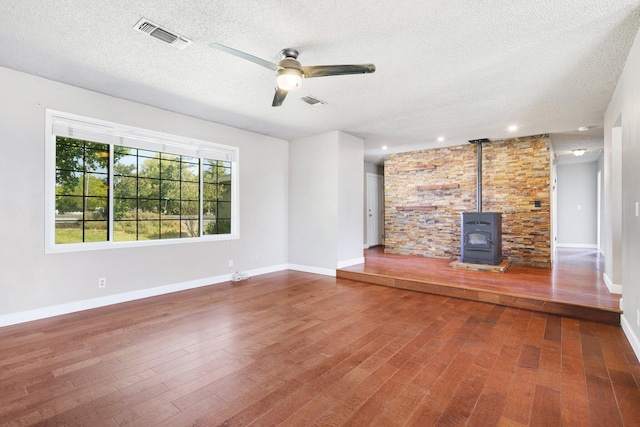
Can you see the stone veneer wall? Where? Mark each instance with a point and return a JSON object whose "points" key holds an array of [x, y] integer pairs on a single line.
{"points": [[426, 191]]}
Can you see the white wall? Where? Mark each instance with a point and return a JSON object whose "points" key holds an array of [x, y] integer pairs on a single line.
{"points": [[313, 201], [31, 280], [577, 204], [613, 197], [350, 199], [625, 104], [326, 193], [601, 236]]}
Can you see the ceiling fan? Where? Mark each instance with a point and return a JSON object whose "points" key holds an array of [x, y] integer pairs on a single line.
{"points": [[290, 72]]}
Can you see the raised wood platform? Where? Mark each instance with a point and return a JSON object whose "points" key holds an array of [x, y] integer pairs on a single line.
{"points": [[573, 287]]}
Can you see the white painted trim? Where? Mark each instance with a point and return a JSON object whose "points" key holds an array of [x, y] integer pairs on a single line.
{"points": [[315, 270], [366, 246], [577, 245], [613, 288], [350, 262], [267, 270], [72, 307], [631, 336]]}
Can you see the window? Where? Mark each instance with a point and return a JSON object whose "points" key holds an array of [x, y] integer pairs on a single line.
{"points": [[118, 186], [82, 188]]}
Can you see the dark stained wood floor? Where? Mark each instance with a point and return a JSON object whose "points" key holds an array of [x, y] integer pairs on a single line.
{"points": [[298, 349], [573, 287]]}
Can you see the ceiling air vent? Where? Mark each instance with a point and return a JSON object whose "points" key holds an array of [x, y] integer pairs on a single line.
{"points": [[313, 101], [154, 30]]}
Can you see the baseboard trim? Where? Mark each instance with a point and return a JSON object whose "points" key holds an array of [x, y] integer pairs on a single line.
{"points": [[350, 262], [310, 269], [577, 245], [613, 288], [631, 336], [267, 270], [73, 307]]}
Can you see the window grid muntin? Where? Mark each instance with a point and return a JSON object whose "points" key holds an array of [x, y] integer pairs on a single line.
{"points": [[220, 182], [166, 162], [84, 174], [223, 210]]}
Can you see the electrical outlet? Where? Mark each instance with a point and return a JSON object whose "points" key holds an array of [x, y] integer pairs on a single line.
{"points": [[102, 282], [230, 263]]}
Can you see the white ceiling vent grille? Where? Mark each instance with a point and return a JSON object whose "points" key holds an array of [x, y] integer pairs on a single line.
{"points": [[313, 101], [154, 30]]}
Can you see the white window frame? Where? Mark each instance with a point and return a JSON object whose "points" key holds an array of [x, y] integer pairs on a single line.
{"points": [[59, 123]]}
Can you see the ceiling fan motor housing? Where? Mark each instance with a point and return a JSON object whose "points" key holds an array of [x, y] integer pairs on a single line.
{"points": [[289, 52], [290, 63]]}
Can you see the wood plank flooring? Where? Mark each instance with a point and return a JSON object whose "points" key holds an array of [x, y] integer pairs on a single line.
{"points": [[297, 349], [574, 287]]}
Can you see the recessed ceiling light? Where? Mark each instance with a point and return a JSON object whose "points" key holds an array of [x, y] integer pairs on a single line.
{"points": [[513, 128], [579, 152], [440, 138], [384, 147], [583, 128]]}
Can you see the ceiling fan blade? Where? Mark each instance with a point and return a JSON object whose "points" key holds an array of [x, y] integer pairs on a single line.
{"points": [[279, 97], [246, 56], [337, 70]]}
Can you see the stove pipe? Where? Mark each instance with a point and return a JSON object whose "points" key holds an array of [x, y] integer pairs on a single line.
{"points": [[479, 143]]}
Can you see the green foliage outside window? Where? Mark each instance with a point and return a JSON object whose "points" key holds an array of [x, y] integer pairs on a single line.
{"points": [[82, 188], [155, 195]]}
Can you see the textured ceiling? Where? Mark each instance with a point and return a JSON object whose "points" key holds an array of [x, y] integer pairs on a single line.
{"points": [[461, 70]]}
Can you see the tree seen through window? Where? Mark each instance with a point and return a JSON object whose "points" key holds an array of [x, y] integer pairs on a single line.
{"points": [[156, 195]]}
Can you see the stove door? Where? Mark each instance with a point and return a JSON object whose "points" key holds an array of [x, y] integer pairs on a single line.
{"points": [[477, 240]]}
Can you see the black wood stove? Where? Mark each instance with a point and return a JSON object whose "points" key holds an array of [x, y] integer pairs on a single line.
{"points": [[481, 239]]}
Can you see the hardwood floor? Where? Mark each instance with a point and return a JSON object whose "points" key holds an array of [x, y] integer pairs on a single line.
{"points": [[574, 287], [298, 349]]}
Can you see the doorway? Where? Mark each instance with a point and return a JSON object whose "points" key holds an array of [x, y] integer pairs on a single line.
{"points": [[375, 210]]}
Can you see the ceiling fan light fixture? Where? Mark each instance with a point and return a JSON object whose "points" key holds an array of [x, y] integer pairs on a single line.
{"points": [[289, 79], [289, 71]]}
